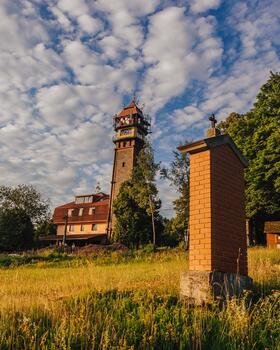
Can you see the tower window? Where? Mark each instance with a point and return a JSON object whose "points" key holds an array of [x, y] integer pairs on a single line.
{"points": [[94, 227], [124, 144], [82, 227], [123, 164]]}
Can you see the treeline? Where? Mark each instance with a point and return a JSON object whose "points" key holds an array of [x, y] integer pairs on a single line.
{"points": [[24, 215]]}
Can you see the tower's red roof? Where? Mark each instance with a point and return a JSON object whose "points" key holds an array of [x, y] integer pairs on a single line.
{"points": [[132, 108]]}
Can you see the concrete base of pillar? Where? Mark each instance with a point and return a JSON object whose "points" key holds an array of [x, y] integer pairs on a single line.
{"points": [[199, 287]]}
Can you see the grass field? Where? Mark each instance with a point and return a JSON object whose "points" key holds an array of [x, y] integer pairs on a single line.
{"points": [[129, 301]]}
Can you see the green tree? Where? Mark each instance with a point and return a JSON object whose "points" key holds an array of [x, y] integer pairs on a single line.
{"points": [[178, 175], [27, 199], [21, 208], [136, 207], [257, 134], [16, 230], [45, 227]]}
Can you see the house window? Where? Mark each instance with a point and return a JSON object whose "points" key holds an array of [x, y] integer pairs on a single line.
{"points": [[82, 227], [83, 199], [70, 212], [91, 211], [71, 228], [123, 164], [81, 211], [94, 227]]}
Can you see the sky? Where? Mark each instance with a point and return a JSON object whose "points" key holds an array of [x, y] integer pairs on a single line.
{"points": [[67, 66]]}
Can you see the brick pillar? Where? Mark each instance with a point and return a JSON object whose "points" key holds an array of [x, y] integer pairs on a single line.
{"points": [[200, 212], [217, 227]]}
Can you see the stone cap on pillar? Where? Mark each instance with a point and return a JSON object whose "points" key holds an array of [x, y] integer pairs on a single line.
{"points": [[212, 142]]}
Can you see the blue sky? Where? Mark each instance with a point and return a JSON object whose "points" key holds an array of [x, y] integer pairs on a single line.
{"points": [[67, 66]]}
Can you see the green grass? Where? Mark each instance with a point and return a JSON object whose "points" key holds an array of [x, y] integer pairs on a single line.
{"points": [[131, 301]]}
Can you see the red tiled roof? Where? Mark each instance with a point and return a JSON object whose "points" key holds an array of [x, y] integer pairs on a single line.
{"points": [[100, 215], [130, 109]]}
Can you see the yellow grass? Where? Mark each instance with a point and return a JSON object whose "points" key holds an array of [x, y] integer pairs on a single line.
{"points": [[25, 287]]}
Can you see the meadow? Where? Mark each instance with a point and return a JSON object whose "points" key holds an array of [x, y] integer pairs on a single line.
{"points": [[130, 300]]}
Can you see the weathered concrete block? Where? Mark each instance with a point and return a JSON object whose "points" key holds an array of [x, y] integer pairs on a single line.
{"points": [[199, 287]]}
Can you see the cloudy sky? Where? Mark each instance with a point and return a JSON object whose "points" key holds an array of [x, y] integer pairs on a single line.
{"points": [[67, 66]]}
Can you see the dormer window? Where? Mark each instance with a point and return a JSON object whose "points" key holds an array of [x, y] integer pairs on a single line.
{"points": [[91, 211], [70, 212], [83, 199]]}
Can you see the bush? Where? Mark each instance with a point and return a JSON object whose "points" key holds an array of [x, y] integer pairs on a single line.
{"points": [[16, 230]]}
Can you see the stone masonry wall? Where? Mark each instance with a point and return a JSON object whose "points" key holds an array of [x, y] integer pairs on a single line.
{"points": [[126, 153], [123, 166]]}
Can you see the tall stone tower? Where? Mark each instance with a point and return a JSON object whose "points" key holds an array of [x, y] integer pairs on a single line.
{"points": [[131, 127]]}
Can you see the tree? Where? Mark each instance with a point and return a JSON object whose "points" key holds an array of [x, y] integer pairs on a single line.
{"points": [[137, 203], [26, 199], [133, 225], [46, 227], [16, 230], [257, 135], [21, 208], [178, 175]]}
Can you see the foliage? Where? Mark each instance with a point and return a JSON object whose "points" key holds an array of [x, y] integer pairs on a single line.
{"points": [[137, 201], [178, 175], [46, 227], [26, 199], [174, 231], [133, 225], [16, 230], [143, 320], [257, 135]]}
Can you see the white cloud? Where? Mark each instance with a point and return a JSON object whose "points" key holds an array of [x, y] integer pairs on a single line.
{"points": [[74, 7], [89, 24], [236, 88], [204, 5], [177, 49]]}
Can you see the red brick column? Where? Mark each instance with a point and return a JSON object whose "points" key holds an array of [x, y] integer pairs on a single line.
{"points": [[217, 213], [228, 221], [217, 225], [200, 212]]}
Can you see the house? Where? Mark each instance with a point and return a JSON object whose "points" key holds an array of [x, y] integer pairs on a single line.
{"points": [[84, 219], [272, 231]]}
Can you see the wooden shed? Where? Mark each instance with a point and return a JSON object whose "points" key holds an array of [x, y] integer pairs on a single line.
{"points": [[272, 231]]}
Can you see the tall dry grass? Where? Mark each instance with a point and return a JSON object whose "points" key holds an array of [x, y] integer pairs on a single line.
{"points": [[131, 305]]}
